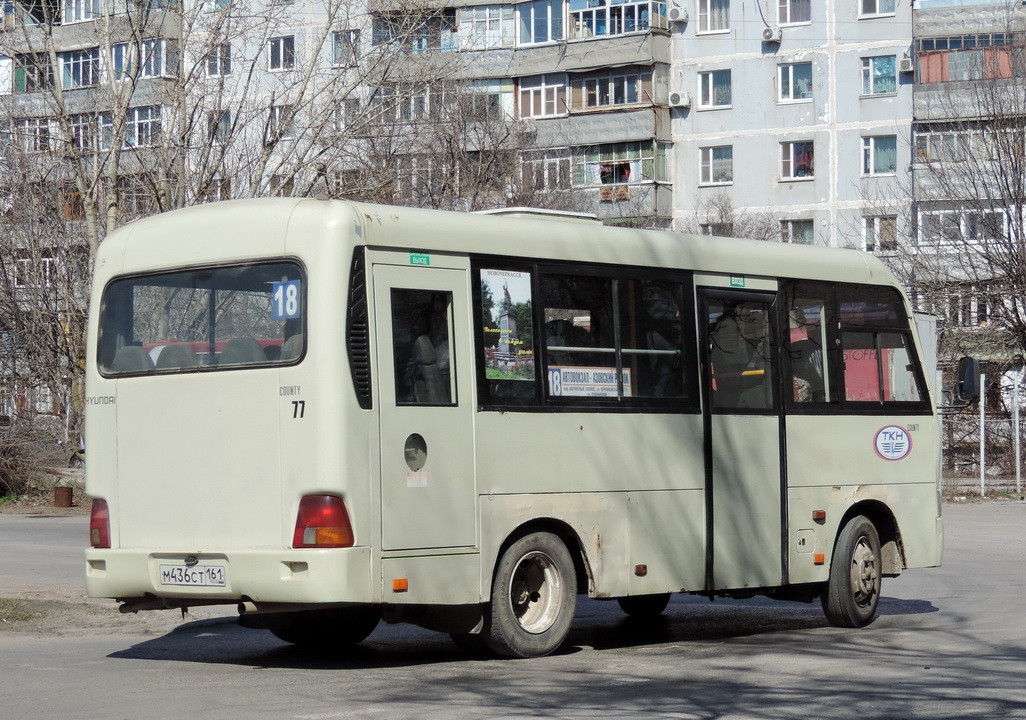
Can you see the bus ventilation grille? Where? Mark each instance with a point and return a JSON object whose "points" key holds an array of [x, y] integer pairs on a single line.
{"points": [[358, 331]]}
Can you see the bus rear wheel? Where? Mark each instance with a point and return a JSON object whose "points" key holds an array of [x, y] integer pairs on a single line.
{"points": [[326, 630], [853, 590], [534, 595]]}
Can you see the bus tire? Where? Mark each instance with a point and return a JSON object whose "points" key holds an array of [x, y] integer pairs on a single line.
{"points": [[644, 606], [534, 595], [852, 593], [328, 630]]}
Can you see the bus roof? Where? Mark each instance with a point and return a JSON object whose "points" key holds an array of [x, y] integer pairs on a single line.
{"points": [[241, 230]]}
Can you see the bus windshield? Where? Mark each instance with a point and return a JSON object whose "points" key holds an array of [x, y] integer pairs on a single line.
{"points": [[202, 319]]}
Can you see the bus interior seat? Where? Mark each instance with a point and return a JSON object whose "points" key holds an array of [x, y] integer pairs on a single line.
{"points": [[241, 350], [292, 348], [177, 355], [428, 386], [131, 358]]}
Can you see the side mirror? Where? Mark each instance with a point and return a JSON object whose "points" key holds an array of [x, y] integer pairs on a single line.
{"points": [[968, 388]]}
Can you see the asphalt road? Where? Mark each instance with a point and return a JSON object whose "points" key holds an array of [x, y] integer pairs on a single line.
{"points": [[949, 643]]}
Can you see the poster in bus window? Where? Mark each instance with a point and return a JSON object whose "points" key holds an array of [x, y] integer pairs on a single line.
{"points": [[508, 324]]}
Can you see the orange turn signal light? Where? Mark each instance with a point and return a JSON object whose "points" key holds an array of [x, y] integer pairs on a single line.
{"points": [[400, 585]]}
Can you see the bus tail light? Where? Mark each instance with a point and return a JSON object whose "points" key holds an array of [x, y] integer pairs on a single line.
{"points": [[322, 522], [99, 525]]}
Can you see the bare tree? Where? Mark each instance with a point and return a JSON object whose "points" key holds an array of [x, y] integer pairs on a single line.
{"points": [[717, 215], [966, 260]]}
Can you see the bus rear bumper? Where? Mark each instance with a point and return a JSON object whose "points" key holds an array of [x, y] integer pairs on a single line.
{"points": [[259, 576]]}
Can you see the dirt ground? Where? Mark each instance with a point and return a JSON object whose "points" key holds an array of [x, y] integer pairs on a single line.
{"points": [[48, 612]]}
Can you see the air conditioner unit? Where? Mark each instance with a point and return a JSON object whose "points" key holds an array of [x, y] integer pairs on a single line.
{"points": [[772, 35], [906, 65], [680, 99], [677, 14]]}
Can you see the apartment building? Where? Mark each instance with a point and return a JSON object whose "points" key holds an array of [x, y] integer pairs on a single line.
{"points": [[793, 116]]}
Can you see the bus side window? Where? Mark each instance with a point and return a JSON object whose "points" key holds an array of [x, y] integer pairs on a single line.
{"points": [[876, 342], [421, 338]]}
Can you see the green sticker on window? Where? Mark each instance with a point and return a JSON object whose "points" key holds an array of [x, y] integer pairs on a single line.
{"points": [[420, 259], [737, 281]]}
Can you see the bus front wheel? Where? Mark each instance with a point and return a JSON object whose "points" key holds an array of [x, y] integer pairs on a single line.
{"points": [[534, 594], [852, 593]]}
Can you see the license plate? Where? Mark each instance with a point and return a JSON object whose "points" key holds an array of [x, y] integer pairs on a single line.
{"points": [[193, 575]]}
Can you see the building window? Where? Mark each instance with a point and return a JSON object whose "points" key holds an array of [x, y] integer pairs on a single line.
{"points": [[543, 96], [589, 18], [878, 76], [713, 16], [485, 99], [346, 113], [796, 160], [282, 53], [967, 57], [158, 58], [423, 33], [545, 170], [121, 65], [950, 146], [798, 232], [881, 233], [404, 102], [540, 22], [620, 163], [714, 89], [280, 124], [142, 126], [794, 11], [622, 88], [487, 27], [345, 47], [880, 155], [219, 126], [219, 61], [80, 10], [84, 132], [716, 165], [32, 73], [876, 7], [795, 82], [79, 68], [33, 134]]}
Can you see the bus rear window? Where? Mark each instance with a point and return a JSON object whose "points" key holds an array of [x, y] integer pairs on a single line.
{"points": [[205, 319]]}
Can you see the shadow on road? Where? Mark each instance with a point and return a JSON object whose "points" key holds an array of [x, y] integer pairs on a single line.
{"points": [[598, 624]]}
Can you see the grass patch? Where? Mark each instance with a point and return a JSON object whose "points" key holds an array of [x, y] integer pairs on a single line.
{"points": [[8, 499], [14, 610]]}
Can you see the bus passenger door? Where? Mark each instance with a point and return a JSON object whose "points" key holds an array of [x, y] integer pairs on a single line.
{"points": [[742, 440], [424, 373]]}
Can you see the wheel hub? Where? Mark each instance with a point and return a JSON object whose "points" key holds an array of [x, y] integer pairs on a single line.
{"points": [[536, 592], [864, 573]]}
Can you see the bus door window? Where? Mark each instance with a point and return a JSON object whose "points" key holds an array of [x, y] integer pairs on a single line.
{"points": [[421, 341], [741, 354], [813, 379]]}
